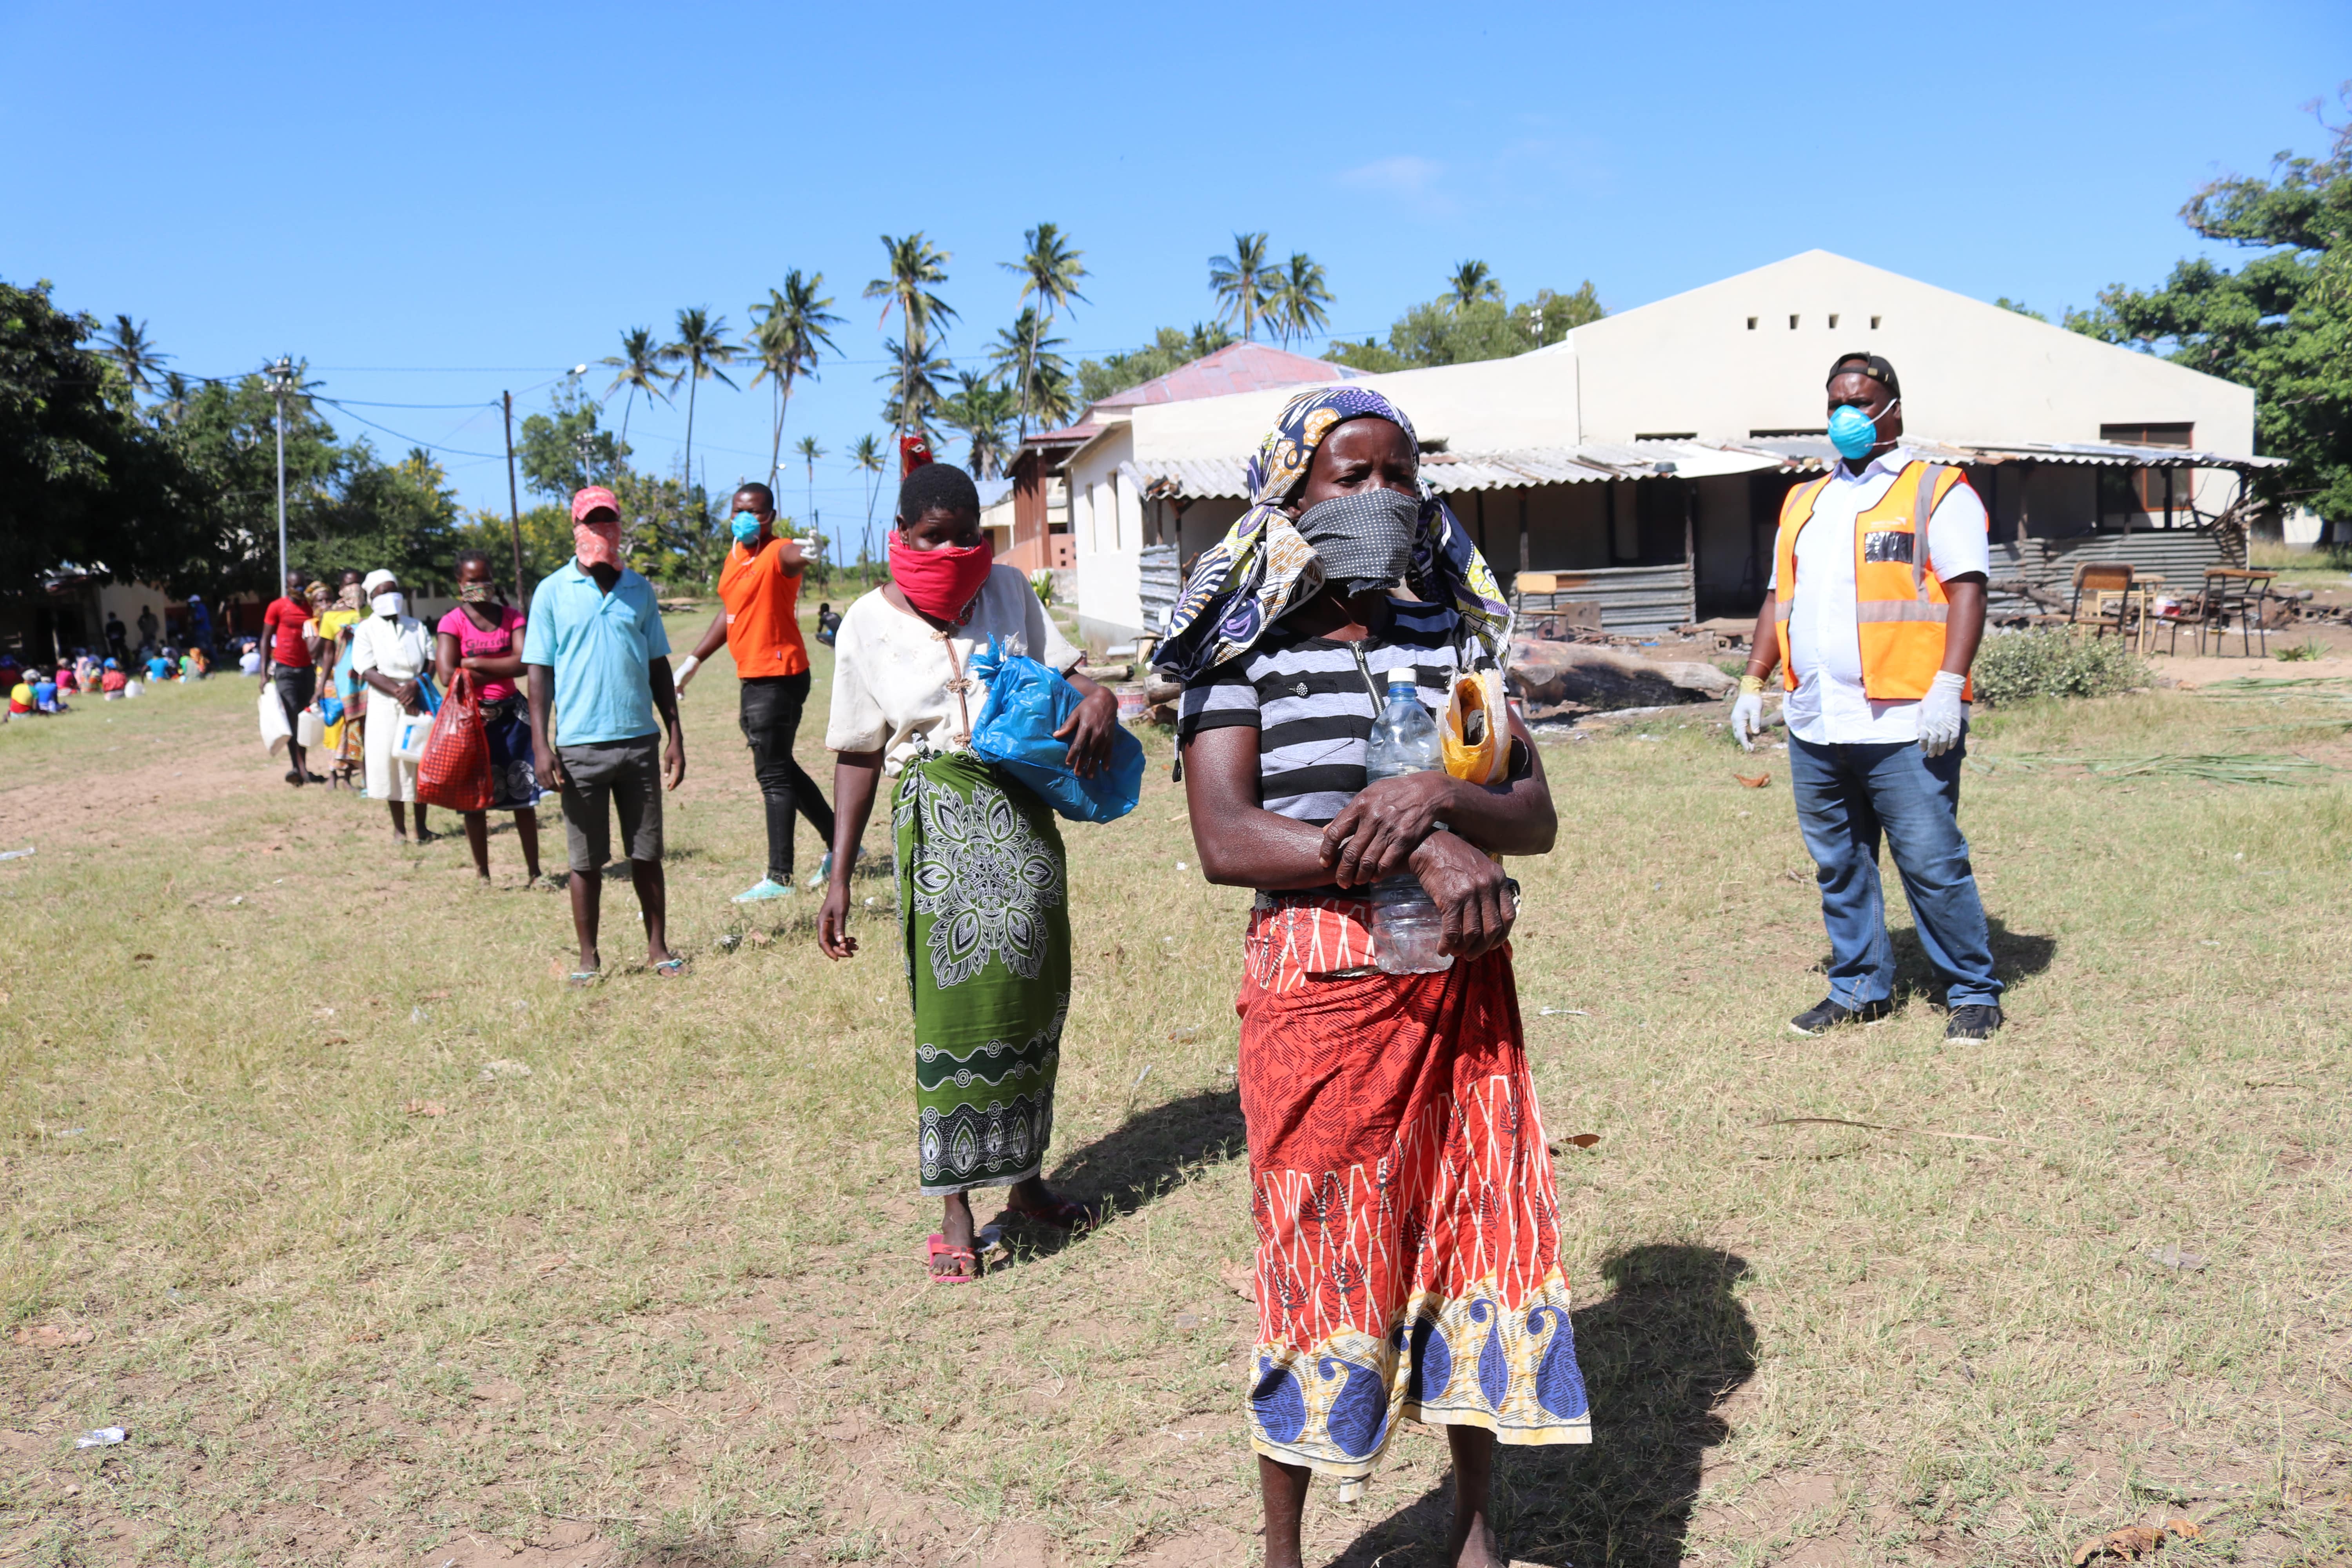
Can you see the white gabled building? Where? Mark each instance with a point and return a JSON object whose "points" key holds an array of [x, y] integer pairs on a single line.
{"points": [[1643, 458]]}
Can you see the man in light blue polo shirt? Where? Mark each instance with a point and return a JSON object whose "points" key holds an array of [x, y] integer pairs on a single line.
{"points": [[598, 664]]}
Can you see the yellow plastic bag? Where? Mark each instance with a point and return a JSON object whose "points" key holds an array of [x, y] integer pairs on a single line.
{"points": [[1478, 729]]}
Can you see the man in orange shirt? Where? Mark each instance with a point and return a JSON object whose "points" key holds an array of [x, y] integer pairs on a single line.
{"points": [[760, 589]]}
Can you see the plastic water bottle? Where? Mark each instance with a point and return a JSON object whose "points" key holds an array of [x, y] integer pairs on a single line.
{"points": [[1406, 922]]}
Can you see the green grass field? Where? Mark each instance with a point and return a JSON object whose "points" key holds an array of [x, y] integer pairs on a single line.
{"points": [[658, 1298]]}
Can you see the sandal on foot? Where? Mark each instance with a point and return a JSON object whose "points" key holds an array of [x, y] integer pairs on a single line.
{"points": [[1065, 1215], [936, 1248], [581, 979], [670, 968]]}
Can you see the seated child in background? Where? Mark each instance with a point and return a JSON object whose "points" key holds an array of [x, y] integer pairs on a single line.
{"points": [[159, 669], [112, 682], [249, 661], [45, 695], [20, 698]]}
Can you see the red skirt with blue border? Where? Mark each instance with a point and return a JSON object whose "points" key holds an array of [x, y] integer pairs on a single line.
{"points": [[1408, 1258]]}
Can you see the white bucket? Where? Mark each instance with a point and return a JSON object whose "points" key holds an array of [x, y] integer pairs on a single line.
{"points": [[131, 688]]}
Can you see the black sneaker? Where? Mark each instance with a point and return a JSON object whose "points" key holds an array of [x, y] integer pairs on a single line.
{"points": [[1973, 1021], [1829, 1013]]}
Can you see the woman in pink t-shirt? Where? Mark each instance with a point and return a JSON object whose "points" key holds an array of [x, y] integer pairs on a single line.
{"points": [[485, 636]]}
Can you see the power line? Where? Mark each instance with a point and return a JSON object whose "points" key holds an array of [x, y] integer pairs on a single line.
{"points": [[412, 440]]}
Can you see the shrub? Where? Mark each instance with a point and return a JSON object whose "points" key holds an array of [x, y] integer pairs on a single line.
{"points": [[2014, 667]]}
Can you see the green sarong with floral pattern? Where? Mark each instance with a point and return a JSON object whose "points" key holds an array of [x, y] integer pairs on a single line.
{"points": [[982, 897]]}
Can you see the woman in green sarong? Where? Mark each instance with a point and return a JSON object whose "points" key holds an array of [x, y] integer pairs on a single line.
{"points": [[983, 894]]}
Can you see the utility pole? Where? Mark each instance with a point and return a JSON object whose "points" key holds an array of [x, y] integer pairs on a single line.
{"points": [[514, 503], [282, 377]]}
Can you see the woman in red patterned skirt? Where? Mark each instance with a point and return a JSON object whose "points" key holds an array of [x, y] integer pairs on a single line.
{"points": [[1408, 1259]]}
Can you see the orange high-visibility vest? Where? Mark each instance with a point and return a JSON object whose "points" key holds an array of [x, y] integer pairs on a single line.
{"points": [[1899, 604]]}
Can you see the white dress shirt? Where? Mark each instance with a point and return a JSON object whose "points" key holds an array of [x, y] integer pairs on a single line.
{"points": [[1829, 707]]}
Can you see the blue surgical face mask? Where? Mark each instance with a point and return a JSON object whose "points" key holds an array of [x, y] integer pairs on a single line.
{"points": [[1854, 433], [747, 527]]}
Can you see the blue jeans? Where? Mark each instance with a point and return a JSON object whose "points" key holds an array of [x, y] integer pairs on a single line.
{"points": [[1846, 797]]}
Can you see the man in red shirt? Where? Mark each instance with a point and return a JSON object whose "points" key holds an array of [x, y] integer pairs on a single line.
{"points": [[291, 669], [760, 587]]}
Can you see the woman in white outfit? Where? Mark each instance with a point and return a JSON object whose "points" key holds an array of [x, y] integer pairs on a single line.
{"points": [[389, 650]]}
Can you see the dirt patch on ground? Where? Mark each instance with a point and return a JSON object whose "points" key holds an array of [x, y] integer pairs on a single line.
{"points": [[143, 781]]}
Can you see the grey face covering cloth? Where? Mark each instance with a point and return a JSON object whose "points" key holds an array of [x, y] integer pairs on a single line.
{"points": [[1364, 540]]}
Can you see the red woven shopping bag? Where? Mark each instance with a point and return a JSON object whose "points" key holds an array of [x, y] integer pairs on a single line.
{"points": [[456, 772]]}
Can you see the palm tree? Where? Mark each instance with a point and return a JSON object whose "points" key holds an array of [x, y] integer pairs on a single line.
{"points": [[700, 349], [913, 383], [639, 367], [1050, 269], [980, 408], [1024, 358], [1207, 338], [865, 456], [1242, 281], [808, 450], [916, 267], [1471, 282], [174, 405], [128, 347], [794, 327], [1297, 306]]}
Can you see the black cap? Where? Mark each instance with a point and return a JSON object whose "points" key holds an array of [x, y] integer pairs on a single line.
{"points": [[1872, 365]]}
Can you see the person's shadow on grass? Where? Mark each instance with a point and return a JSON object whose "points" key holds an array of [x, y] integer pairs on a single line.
{"points": [[2015, 956], [1659, 1353], [1145, 1156]]}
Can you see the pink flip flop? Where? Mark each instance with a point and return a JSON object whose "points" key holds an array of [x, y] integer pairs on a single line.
{"points": [[936, 1247]]}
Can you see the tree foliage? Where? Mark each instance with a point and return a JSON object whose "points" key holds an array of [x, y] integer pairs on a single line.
{"points": [[84, 478], [2282, 323], [988, 414], [345, 509], [564, 449], [1472, 321]]}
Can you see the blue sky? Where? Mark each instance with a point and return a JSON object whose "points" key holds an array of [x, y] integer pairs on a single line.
{"points": [[434, 203]]}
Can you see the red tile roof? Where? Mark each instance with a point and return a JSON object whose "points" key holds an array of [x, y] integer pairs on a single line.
{"points": [[1237, 367]]}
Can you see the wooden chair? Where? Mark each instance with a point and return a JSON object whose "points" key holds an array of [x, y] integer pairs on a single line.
{"points": [[2094, 580]]}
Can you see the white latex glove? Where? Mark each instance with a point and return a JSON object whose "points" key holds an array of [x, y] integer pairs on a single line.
{"points": [[685, 673], [1939, 713], [1748, 712]]}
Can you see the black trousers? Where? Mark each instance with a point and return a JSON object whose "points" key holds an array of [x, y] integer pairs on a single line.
{"points": [[770, 717]]}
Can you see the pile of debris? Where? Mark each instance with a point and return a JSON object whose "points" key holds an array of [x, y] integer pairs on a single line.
{"points": [[1555, 679]]}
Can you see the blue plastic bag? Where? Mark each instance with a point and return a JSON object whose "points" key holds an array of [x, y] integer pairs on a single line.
{"points": [[1026, 703]]}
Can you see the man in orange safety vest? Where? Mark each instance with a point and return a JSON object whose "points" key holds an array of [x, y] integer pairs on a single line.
{"points": [[1877, 603]]}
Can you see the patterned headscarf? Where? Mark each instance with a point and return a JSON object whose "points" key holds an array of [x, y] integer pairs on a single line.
{"points": [[1262, 568]]}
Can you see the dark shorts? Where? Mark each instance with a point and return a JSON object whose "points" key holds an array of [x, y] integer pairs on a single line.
{"points": [[297, 686], [627, 775]]}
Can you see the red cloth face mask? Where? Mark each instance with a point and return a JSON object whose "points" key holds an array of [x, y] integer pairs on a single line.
{"points": [[940, 583], [597, 544]]}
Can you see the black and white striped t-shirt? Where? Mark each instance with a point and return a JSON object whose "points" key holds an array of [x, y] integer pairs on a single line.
{"points": [[1312, 702]]}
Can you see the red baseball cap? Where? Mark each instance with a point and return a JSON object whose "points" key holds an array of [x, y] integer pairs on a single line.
{"points": [[588, 500]]}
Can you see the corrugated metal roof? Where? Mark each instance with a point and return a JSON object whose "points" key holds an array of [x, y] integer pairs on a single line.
{"points": [[1815, 452], [1451, 472], [1192, 478]]}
